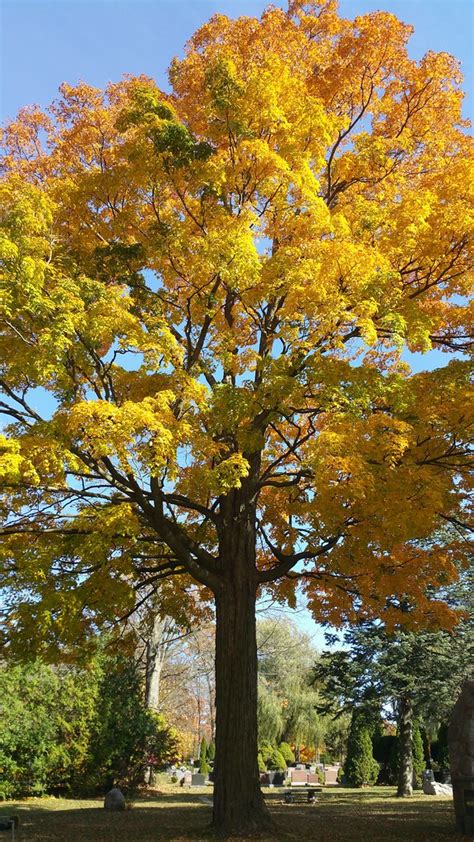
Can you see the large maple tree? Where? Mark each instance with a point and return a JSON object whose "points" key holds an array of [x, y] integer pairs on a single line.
{"points": [[214, 285]]}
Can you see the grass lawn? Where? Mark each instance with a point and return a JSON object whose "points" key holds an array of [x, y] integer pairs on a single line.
{"points": [[340, 815]]}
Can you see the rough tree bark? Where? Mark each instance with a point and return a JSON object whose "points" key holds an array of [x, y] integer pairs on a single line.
{"points": [[239, 806], [405, 737], [238, 801]]}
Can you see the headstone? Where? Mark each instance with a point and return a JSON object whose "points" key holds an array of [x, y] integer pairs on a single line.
{"points": [[312, 778], [298, 777], [330, 775], [114, 800], [461, 757], [198, 779], [435, 788]]}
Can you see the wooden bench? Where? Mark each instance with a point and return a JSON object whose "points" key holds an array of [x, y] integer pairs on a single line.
{"points": [[9, 823], [301, 795]]}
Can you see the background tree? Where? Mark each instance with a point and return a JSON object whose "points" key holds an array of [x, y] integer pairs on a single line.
{"points": [[287, 703], [70, 730], [190, 276], [419, 674], [418, 754], [203, 764], [360, 768]]}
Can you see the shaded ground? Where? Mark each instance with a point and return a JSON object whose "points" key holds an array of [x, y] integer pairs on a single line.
{"points": [[340, 815]]}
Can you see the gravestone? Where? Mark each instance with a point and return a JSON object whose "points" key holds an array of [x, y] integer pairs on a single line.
{"points": [[461, 757], [312, 778], [435, 788], [114, 800], [198, 779], [186, 780], [298, 777], [330, 775]]}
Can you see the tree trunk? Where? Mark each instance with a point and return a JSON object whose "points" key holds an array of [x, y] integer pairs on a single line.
{"points": [[239, 806], [155, 657], [156, 648], [405, 737]]}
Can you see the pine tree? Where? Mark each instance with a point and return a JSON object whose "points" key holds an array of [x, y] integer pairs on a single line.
{"points": [[211, 751], [418, 757], [287, 752], [361, 768], [203, 764]]}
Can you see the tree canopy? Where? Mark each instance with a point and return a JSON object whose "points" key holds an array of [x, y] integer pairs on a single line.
{"points": [[192, 274], [214, 285]]}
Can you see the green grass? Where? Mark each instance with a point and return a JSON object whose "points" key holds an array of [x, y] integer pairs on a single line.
{"points": [[340, 815]]}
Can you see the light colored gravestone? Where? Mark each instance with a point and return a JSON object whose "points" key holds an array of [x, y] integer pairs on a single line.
{"points": [[330, 775], [435, 788], [461, 757], [198, 779], [114, 800]]}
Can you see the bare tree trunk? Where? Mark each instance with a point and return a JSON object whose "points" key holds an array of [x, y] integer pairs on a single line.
{"points": [[156, 648], [239, 806], [212, 703], [155, 657], [405, 737]]}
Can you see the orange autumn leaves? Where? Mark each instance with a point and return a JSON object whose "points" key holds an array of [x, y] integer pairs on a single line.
{"points": [[216, 283]]}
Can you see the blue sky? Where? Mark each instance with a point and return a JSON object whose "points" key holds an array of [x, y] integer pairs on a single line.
{"points": [[46, 42]]}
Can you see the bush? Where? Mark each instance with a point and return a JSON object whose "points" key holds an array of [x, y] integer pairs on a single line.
{"points": [[266, 749], [385, 750], [69, 731], [46, 717], [276, 761], [361, 768], [204, 767], [126, 737], [261, 764], [211, 751], [418, 758], [287, 753], [439, 749]]}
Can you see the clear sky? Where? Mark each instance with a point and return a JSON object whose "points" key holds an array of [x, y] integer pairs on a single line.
{"points": [[46, 42]]}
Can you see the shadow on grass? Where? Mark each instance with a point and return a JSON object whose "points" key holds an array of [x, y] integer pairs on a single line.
{"points": [[181, 817], [94, 824]]}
